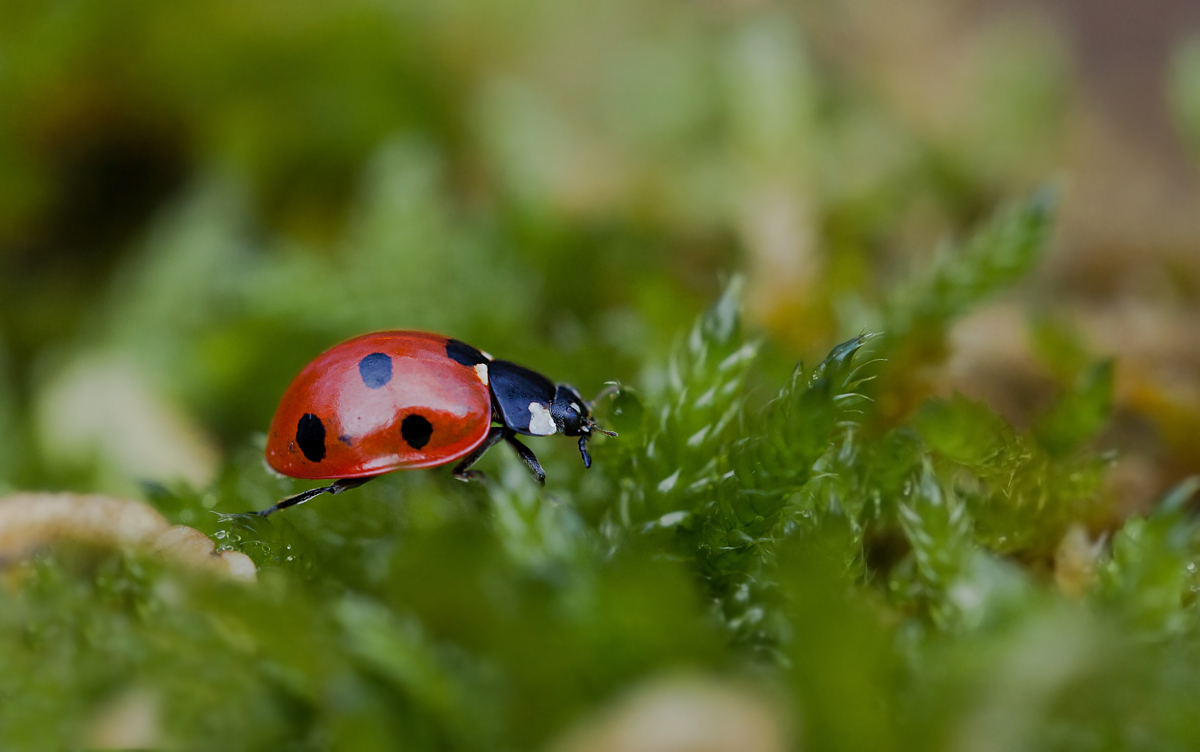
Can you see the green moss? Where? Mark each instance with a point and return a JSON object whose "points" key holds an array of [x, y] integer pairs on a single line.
{"points": [[883, 561], [721, 530]]}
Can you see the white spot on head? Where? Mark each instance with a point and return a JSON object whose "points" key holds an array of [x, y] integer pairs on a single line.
{"points": [[481, 372], [486, 354], [576, 408], [540, 422]]}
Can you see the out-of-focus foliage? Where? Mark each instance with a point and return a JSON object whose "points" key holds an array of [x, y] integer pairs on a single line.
{"points": [[1185, 90], [198, 197]]}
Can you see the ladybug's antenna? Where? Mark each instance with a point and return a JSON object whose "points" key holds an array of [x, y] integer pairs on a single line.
{"points": [[593, 427]]}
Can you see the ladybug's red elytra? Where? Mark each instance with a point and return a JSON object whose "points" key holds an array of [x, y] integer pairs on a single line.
{"points": [[401, 400]]}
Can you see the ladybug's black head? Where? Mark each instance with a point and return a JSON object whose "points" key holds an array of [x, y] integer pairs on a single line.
{"points": [[572, 418], [569, 411]]}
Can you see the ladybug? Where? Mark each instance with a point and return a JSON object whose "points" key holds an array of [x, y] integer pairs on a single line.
{"points": [[401, 400]]}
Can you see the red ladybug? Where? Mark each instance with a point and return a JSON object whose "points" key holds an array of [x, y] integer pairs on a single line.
{"points": [[401, 400]]}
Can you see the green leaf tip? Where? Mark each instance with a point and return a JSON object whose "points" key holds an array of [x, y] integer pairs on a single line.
{"points": [[1177, 498], [1001, 252], [722, 321]]}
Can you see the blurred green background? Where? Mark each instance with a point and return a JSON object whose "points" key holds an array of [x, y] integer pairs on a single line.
{"points": [[994, 552]]}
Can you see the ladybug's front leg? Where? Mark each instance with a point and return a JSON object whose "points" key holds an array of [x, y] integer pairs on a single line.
{"points": [[463, 470], [528, 457]]}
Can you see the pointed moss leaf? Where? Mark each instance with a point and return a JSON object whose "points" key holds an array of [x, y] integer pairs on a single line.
{"points": [[1080, 412], [1175, 499], [837, 363], [721, 323]]}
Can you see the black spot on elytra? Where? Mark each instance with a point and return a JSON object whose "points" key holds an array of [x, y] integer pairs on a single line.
{"points": [[416, 430], [375, 369], [310, 435], [461, 352]]}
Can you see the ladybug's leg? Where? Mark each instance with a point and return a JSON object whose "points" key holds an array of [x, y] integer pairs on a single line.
{"points": [[335, 488], [463, 470], [527, 456]]}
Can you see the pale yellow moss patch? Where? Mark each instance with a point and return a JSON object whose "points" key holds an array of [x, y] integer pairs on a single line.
{"points": [[31, 521]]}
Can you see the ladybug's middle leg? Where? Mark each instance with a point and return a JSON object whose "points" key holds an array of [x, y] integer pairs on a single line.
{"points": [[463, 470]]}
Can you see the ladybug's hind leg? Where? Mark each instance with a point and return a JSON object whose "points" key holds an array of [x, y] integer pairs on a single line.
{"points": [[335, 488], [528, 457], [463, 470]]}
